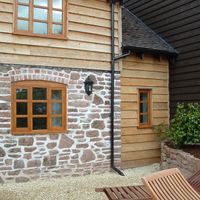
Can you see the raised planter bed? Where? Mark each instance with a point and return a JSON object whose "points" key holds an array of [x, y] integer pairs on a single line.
{"points": [[171, 157]]}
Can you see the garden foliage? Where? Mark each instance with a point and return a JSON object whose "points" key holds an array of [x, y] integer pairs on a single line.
{"points": [[184, 128]]}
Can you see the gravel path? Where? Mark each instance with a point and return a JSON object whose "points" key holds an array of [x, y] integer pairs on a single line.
{"points": [[73, 188]]}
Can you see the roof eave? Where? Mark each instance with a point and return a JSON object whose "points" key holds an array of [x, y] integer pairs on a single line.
{"points": [[148, 50]]}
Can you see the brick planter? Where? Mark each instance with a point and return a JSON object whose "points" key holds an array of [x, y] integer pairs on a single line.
{"points": [[186, 162]]}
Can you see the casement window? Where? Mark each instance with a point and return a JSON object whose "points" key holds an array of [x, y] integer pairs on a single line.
{"points": [[144, 108], [38, 107], [46, 18]]}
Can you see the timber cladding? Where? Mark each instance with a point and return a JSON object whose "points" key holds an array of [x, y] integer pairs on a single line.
{"points": [[88, 43], [140, 146], [178, 22]]}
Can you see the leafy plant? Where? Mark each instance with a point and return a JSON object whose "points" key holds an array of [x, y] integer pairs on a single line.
{"points": [[161, 130], [185, 127]]}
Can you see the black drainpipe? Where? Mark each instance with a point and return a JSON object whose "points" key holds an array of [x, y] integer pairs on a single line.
{"points": [[113, 59]]}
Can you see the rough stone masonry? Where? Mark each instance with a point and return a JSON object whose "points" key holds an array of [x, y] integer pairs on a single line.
{"points": [[85, 146]]}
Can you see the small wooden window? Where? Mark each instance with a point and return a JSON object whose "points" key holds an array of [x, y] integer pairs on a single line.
{"points": [[38, 107], [46, 18], [144, 108]]}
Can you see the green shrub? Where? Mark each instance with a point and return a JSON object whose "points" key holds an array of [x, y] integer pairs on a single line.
{"points": [[185, 127], [161, 130]]}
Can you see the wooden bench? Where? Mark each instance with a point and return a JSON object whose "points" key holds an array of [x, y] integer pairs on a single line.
{"points": [[140, 192], [194, 181], [169, 184], [125, 193]]}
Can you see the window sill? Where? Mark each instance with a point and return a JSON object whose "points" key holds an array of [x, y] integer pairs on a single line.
{"points": [[57, 37], [144, 127]]}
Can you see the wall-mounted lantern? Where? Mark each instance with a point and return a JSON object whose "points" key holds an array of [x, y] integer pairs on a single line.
{"points": [[88, 86]]}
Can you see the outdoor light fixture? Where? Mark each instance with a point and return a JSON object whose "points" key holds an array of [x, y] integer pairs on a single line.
{"points": [[88, 86]]}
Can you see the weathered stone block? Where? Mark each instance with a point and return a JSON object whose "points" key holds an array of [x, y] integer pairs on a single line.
{"points": [[82, 146], [97, 100], [14, 150], [87, 156], [65, 142], [2, 152], [30, 149], [26, 141], [54, 137], [34, 163], [98, 124], [19, 164], [51, 145], [14, 173], [49, 161], [92, 133], [31, 171], [75, 76]]}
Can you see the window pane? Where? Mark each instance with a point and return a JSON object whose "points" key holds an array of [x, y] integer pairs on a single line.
{"points": [[57, 4], [22, 25], [40, 28], [56, 108], [21, 108], [143, 107], [57, 16], [143, 96], [39, 93], [56, 95], [39, 123], [22, 122], [57, 122], [23, 11], [24, 1], [39, 108], [21, 93], [40, 14], [41, 2], [57, 29], [143, 119]]}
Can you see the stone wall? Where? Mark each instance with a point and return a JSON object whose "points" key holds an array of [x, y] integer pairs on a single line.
{"points": [[171, 158], [85, 146]]}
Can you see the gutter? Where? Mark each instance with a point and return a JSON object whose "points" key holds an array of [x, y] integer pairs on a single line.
{"points": [[113, 60]]}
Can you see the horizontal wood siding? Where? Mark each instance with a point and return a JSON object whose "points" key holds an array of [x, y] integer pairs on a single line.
{"points": [[142, 146], [178, 22], [88, 44]]}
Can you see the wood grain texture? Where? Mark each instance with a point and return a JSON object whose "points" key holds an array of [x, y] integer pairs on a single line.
{"points": [[178, 22], [88, 38], [140, 146]]}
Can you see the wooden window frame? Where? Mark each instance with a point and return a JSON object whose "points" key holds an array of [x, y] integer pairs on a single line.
{"points": [[40, 84], [49, 20], [149, 94]]}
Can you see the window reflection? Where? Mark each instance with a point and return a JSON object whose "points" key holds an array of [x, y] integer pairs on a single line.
{"points": [[24, 1], [57, 121], [22, 25], [57, 29], [22, 122], [56, 108], [41, 3], [23, 11], [40, 14], [39, 123], [21, 93], [57, 4], [41, 17], [57, 16], [39, 93]]}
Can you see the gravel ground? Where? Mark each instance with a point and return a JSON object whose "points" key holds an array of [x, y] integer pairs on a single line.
{"points": [[73, 188]]}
